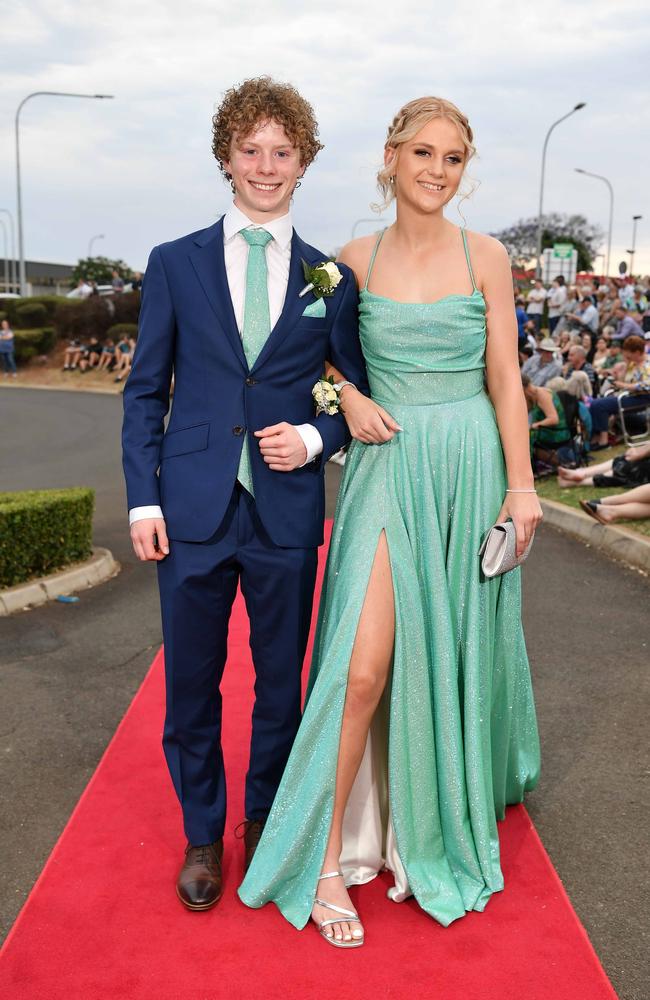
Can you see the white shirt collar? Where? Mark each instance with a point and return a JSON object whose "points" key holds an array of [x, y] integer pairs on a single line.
{"points": [[280, 229]]}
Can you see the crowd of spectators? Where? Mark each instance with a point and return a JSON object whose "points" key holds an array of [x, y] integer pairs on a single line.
{"points": [[584, 353], [105, 356]]}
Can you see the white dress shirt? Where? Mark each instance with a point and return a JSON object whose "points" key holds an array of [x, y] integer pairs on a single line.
{"points": [[278, 258]]}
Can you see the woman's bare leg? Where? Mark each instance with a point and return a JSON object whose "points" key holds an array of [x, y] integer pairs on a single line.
{"points": [[368, 672], [624, 511], [584, 476], [639, 494]]}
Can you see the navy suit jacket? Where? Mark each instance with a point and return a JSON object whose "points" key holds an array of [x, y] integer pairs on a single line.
{"points": [[188, 327]]}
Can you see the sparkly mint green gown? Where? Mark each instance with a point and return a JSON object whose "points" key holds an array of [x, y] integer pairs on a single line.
{"points": [[455, 738]]}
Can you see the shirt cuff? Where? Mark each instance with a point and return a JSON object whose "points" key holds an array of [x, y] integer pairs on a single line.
{"points": [[312, 441], [140, 513]]}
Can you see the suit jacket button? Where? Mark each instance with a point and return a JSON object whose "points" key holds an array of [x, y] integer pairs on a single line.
{"points": [[251, 381], [238, 430]]}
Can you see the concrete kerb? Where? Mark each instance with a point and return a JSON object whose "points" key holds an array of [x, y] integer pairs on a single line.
{"points": [[97, 389], [615, 541], [100, 567]]}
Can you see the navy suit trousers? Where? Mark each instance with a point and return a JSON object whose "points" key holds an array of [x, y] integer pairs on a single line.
{"points": [[198, 583]]}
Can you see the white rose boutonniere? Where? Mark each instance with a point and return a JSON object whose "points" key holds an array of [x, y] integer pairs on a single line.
{"points": [[326, 396], [322, 279]]}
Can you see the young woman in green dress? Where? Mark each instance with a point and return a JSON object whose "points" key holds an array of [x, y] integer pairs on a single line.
{"points": [[419, 724]]}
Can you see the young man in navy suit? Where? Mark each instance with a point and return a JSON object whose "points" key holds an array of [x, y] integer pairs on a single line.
{"points": [[232, 491]]}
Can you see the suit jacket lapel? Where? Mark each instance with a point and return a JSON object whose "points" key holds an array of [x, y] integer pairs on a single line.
{"points": [[293, 305], [208, 262]]}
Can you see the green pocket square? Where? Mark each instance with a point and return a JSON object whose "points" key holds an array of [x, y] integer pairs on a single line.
{"points": [[316, 308]]}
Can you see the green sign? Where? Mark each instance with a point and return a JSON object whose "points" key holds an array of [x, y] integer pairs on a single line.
{"points": [[563, 250]]}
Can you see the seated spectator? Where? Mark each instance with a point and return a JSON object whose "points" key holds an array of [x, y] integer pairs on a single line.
{"points": [[535, 304], [601, 354], [543, 365], [548, 426], [563, 345], [136, 283], [578, 385], [614, 357], [107, 357], [84, 288], [585, 316], [626, 325], [587, 341], [630, 469], [635, 379], [631, 506], [124, 355], [531, 333], [90, 354], [525, 353], [577, 362], [72, 355]]}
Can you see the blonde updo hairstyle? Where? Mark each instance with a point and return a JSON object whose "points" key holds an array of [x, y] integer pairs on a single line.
{"points": [[405, 126]]}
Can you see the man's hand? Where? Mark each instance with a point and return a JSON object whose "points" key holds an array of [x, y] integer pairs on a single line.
{"points": [[282, 448], [149, 537]]}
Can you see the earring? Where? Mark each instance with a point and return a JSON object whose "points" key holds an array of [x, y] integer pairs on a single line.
{"points": [[298, 183], [392, 178]]}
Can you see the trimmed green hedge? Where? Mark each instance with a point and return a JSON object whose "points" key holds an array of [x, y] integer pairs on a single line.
{"points": [[74, 319], [120, 330], [42, 531], [12, 307], [31, 343], [31, 314], [83, 318]]}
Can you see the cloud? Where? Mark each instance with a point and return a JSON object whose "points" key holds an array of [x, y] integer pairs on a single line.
{"points": [[139, 168]]}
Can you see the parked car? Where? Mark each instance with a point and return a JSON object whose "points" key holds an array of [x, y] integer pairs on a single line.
{"points": [[77, 293]]}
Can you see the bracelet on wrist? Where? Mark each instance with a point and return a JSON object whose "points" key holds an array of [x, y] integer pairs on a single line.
{"points": [[521, 491]]}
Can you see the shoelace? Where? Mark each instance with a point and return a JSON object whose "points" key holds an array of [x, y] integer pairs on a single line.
{"points": [[245, 826], [206, 854]]}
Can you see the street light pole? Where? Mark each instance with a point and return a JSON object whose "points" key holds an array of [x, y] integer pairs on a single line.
{"points": [[599, 177], [635, 219], [22, 278], [5, 274], [100, 236], [12, 233], [358, 223], [538, 271]]}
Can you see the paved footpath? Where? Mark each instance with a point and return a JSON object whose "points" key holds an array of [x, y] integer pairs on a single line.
{"points": [[69, 671]]}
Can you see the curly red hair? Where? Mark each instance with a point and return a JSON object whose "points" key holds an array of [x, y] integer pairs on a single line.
{"points": [[257, 101]]}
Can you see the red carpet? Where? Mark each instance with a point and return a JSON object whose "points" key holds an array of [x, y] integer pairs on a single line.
{"points": [[103, 920]]}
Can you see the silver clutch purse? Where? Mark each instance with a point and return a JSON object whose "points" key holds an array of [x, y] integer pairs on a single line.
{"points": [[498, 550]]}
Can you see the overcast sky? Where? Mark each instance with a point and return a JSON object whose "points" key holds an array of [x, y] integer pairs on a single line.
{"points": [[139, 168]]}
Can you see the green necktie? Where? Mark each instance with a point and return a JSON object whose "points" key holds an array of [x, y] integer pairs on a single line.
{"points": [[257, 322]]}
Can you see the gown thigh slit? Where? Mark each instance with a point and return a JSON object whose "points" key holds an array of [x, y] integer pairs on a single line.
{"points": [[455, 736]]}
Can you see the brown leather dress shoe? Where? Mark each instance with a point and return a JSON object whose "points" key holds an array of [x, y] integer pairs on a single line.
{"points": [[252, 833], [199, 884]]}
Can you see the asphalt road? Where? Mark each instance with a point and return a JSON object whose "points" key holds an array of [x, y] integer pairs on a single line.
{"points": [[68, 673]]}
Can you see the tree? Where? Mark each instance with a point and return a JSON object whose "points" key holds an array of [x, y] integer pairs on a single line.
{"points": [[100, 269], [520, 240]]}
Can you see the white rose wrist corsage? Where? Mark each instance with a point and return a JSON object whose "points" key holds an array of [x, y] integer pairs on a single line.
{"points": [[327, 395]]}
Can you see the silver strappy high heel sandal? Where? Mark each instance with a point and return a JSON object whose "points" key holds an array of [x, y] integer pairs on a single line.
{"points": [[344, 915]]}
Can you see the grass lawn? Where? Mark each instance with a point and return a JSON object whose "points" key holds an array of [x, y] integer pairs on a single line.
{"points": [[548, 489]]}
